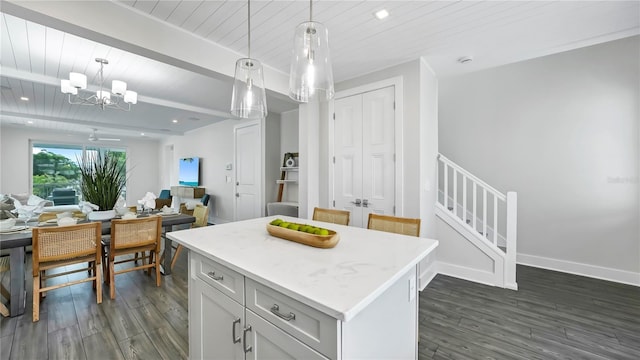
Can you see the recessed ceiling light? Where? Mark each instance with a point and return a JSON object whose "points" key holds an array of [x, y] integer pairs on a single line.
{"points": [[24, 98], [381, 14], [141, 134], [29, 122], [174, 121]]}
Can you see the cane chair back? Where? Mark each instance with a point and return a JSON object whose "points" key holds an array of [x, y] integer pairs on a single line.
{"points": [[340, 217], [132, 236], [394, 224], [59, 246]]}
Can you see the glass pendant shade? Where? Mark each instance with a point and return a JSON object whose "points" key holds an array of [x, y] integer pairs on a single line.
{"points": [[311, 74], [249, 99]]}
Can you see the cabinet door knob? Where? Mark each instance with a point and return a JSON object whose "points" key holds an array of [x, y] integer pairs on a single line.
{"points": [[233, 331], [212, 274], [244, 339], [275, 309]]}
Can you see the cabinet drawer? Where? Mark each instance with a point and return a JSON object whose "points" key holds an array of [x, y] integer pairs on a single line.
{"points": [[314, 328], [219, 276]]}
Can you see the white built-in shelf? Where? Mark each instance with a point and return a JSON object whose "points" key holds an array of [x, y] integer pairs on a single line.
{"points": [[293, 168], [286, 181]]}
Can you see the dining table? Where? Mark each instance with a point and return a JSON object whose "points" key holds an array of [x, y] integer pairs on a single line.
{"points": [[16, 243]]}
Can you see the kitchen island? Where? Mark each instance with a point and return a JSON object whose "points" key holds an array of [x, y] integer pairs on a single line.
{"points": [[255, 296]]}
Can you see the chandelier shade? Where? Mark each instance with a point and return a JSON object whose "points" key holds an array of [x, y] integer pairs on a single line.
{"points": [[311, 74], [122, 98], [249, 98]]}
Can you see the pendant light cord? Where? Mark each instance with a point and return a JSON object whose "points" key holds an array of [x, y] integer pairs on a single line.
{"points": [[310, 10], [249, 26]]}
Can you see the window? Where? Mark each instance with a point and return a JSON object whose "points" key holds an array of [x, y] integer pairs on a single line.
{"points": [[55, 166]]}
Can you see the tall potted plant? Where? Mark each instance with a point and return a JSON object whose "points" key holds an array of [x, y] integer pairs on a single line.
{"points": [[102, 179]]}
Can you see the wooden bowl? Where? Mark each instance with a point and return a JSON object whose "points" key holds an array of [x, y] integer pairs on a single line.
{"points": [[319, 241]]}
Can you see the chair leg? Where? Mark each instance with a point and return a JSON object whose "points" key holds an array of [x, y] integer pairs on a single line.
{"points": [[36, 298], [158, 277], [3, 310], [112, 284], [42, 281], [5, 292], [175, 256], [98, 284]]}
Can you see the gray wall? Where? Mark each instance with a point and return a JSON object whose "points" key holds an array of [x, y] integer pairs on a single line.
{"points": [[562, 131]]}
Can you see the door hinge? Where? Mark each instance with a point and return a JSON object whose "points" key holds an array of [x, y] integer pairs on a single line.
{"points": [[334, 203], [334, 159], [394, 209], [334, 116], [394, 105], [394, 157]]}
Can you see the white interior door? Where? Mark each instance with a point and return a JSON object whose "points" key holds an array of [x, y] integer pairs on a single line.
{"points": [[364, 143], [348, 157], [248, 165], [378, 144]]}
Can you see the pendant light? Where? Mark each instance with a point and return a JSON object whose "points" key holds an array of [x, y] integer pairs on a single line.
{"points": [[311, 74], [249, 99]]}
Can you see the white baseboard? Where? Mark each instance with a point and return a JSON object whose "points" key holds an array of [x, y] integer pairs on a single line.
{"points": [[426, 275], [466, 273], [598, 272]]}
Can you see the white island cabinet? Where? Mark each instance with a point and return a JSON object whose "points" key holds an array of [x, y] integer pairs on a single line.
{"points": [[254, 296]]}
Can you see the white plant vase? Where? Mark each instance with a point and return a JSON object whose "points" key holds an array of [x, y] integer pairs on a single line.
{"points": [[101, 215]]}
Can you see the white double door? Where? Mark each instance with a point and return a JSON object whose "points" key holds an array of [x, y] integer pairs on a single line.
{"points": [[364, 148]]}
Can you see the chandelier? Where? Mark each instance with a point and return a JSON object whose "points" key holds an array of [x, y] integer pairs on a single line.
{"points": [[119, 98]]}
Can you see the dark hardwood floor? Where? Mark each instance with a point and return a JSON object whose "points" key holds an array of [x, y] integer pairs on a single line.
{"points": [[553, 316]]}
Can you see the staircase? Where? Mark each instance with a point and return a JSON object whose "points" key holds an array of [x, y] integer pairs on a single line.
{"points": [[483, 215]]}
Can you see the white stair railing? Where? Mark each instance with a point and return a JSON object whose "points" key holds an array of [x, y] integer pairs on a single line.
{"points": [[491, 214]]}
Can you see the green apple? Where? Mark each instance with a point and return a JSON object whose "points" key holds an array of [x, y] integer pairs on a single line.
{"points": [[295, 227]]}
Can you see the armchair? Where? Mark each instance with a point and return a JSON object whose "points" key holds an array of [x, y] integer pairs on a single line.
{"points": [[164, 199]]}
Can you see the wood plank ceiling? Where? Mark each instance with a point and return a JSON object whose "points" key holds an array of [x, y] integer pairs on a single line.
{"points": [[35, 57]]}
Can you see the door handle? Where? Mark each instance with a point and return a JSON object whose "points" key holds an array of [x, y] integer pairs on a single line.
{"points": [[212, 274], [237, 194], [357, 202], [233, 331], [275, 309], [365, 203], [244, 339]]}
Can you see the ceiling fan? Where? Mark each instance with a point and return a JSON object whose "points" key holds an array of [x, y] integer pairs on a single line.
{"points": [[93, 137]]}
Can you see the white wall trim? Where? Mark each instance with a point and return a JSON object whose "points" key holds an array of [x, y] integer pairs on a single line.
{"points": [[426, 275], [593, 271], [466, 273], [398, 85]]}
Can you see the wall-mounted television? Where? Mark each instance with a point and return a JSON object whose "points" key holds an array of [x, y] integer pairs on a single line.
{"points": [[189, 173]]}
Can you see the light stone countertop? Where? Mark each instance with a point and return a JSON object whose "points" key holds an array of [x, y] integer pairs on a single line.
{"points": [[339, 282]]}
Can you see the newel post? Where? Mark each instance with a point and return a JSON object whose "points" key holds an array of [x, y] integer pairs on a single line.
{"points": [[512, 237]]}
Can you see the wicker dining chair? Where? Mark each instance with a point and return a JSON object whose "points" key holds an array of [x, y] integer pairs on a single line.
{"points": [[340, 217], [5, 266], [132, 236], [394, 224], [61, 246], [201, 213]]}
